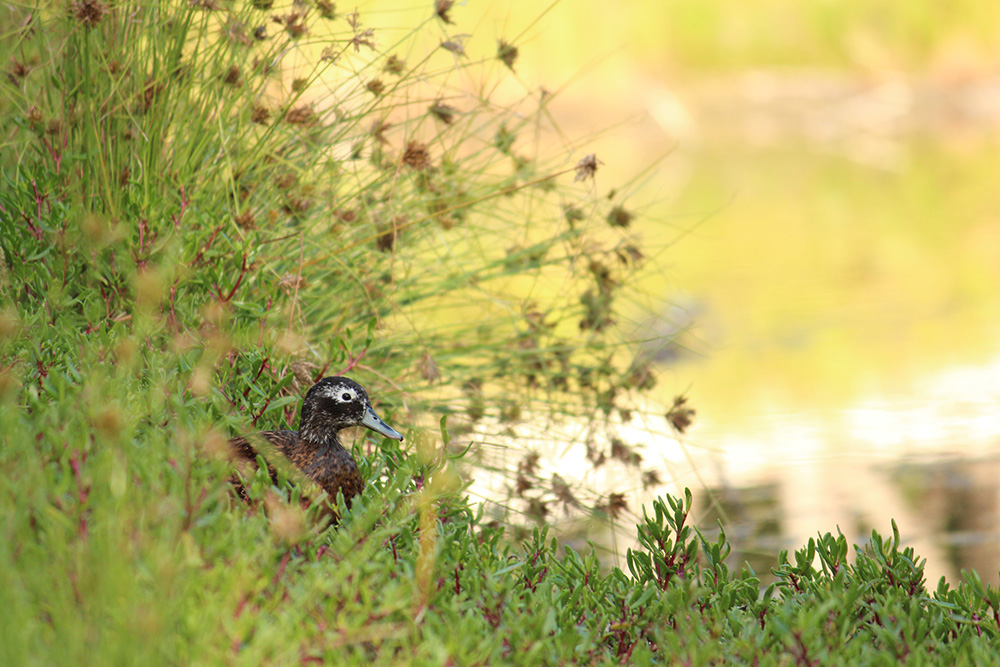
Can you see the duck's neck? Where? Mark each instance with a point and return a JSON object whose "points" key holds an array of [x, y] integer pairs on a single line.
{"points": [[324, 459], [321, 437]]}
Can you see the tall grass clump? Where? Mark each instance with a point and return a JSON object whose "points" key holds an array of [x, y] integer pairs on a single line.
{"points": [[265, 193], [278, 192], [206, 207]]}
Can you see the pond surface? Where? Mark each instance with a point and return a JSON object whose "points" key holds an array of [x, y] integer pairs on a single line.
{"points": [[824, 260], [835, 291]]}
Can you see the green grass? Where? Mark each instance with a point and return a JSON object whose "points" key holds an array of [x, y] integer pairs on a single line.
{"points": [[196, 223]]}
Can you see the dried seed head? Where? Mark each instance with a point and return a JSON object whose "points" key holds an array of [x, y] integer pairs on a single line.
{"points": [[246, 220], [680, 417], [263, 65], [375, 86], [416, 156], [441, 8], [285, 181], [595, 455], [624, 453], [529, 464], [587, 167], [327, 9], [455, 44], [149, 93], [89, 12], [35, 116], [378, 129], [394, 65], [17, 72], [294, 205], [629, 254], [260, 114], [640, 376], [236, 32], [232, 76], [598, 310], [363, 38], [443, 112], [510, 412], [295, 24], [522, 484], [538, 509], [507, 54], [602, 275], [301, 115], [504, 139], [619, 216], [615, 505], [562, 491], [386, 241], [572, 214]]}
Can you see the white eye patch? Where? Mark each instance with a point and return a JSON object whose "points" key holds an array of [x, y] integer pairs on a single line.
{"points": [[342, 394]]}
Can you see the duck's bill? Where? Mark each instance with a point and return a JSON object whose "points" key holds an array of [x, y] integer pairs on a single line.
{"points": [[375, 423]]}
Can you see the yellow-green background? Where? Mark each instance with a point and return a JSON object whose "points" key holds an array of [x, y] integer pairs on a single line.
{"points": [[817, 186]]}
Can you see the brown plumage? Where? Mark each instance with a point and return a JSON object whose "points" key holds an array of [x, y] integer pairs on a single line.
{"points": [[332, 404]]}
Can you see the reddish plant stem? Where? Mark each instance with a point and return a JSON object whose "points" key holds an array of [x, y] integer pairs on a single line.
{"points": [[263, 363], [239, 281], [184, 205], [208, 244]]}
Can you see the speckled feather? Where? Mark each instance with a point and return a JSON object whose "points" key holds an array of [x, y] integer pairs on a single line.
{"points": [[315, 449]]}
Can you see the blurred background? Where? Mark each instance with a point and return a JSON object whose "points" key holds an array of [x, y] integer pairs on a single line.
{"points": [[819, 187]]}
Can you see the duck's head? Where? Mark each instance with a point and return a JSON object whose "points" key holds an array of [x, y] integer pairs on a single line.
{"points": [[334, 403]]}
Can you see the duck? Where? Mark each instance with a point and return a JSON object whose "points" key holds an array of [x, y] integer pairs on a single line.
{"points": [[330, 405]]}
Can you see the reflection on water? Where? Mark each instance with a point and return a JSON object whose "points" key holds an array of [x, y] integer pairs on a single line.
{"points": [[833, 264], [958, 499], [826, 250], [949, 509], [843, 358], [928, 458]]}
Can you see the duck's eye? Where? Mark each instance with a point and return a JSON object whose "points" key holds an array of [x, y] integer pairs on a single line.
{"points": [[346, 396]]}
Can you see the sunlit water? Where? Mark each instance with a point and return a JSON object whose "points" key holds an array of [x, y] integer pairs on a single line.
{"points": [[831, 258], [927, 458], [843, 348]]}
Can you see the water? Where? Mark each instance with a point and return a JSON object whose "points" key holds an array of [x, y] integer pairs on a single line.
{"points": [[843, 351]]}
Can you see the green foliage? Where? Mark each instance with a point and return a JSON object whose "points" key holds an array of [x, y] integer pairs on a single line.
{"points": [[254, 195], [191, 235], [120, 543]]}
